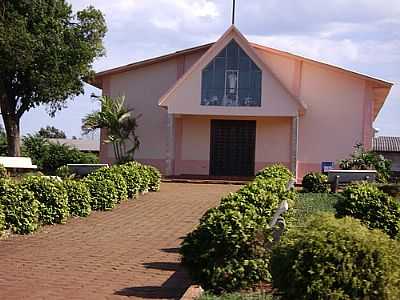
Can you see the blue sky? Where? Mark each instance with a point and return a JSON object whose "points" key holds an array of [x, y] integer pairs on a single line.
{"points": [[361, 35]]}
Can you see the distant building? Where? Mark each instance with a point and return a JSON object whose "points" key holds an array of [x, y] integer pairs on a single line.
{"points": [[91, 146], [389, 147]]}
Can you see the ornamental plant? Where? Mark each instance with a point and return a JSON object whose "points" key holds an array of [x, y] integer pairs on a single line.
{"points": [[375, 209], [361, 159], [20, 208], [331, 258], [133, 178], [53, 198], [228, 250], [315, 182], [113, 175], [2, 218], [78, 197], [103, 193]]}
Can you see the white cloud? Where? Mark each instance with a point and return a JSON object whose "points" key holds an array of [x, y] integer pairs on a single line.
{"points": [[361, 35]]}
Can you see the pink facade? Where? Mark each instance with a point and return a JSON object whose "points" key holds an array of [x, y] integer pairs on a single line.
{"points": [[308, 112]]}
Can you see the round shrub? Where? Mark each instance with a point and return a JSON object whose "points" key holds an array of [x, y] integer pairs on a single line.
{"points": [[336, 259], [53, 198], [115, 177], [154, 178], [373, 207], [21, 209], [3, 171], [2, 218], [78, 198], [315, 183], [132, 175], [228, 250], [63, 172], [276, 171], [223, 254], [103, 194]]}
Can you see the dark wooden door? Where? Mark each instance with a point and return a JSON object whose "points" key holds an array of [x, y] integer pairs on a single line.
{"points": [[232, 148]]}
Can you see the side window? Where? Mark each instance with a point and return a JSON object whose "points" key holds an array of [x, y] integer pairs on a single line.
{"points": [[231, 79]]}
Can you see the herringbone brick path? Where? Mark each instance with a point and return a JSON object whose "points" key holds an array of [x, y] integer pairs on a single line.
{"points": [[130, 252]]}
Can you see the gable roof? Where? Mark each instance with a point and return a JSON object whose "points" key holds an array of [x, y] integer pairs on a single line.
{"points": [[144, 63], [231, 34], [381, 88], [80, 144], [386, 144]]}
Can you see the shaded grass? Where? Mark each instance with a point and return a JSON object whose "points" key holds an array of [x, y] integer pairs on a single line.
{"points": [[237, 296], [311, 203]]}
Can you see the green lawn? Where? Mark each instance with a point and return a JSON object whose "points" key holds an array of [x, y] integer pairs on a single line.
{"points": [[310, 203]]}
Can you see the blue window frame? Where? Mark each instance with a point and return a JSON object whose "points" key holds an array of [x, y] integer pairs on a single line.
{"points": [[231, 79]]}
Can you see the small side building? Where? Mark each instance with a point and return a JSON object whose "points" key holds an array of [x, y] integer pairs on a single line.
{"points": [[389, 147], [88, 146]]}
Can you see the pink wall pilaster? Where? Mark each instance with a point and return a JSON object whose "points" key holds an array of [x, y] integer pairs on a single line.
{"points": [[368, 118], [178, 144], [103, 132]]}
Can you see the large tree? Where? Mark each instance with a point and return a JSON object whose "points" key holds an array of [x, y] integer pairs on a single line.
{"points": [[51, 132], [45, 53]]}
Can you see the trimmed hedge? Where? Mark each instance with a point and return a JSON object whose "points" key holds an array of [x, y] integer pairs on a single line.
{"points": [[78, 198], [227, 252], [39, 200], [53, 198], [374, 208], [107, 187], [140, 178], [21, 209], [315, 183], [336, 259], [154, 178], [2, 218]]}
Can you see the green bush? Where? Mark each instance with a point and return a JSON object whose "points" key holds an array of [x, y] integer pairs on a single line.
{"points": [[373, 207], [64, 172], [21, 209], [107, 188], [52, 196], [227, 252], [133, 178], [78, 197], [276, 171], [50, 156], [103, 193], [392, 189], [3, 172], [361, 159], [154, 178], [332, 258], [315, 183], [113, 174], [2, 218]]}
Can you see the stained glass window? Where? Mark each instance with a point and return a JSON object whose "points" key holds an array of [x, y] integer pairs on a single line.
{"points": [[231, 79]]}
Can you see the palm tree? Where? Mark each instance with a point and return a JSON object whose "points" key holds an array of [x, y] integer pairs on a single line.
{"points": [[120, 123]]}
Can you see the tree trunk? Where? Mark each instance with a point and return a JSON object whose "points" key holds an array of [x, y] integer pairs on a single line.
{"points": [[11, 124]]}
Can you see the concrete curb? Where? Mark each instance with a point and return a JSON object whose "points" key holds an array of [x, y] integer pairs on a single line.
{"points": [[193, 292]]}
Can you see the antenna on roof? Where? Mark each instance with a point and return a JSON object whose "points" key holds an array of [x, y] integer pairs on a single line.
{"points": [[233, 12]]}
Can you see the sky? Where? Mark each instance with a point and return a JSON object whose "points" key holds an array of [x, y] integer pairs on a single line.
{"points": [[360, 35]]}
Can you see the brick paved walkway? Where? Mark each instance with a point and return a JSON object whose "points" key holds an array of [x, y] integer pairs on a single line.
{"points": [[130, 252]]}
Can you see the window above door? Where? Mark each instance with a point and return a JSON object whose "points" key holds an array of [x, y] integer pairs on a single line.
{"points": [[231, 79]]}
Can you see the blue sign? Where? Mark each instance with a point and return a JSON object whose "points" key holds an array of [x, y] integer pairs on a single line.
{"points": [[326, 166]]}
